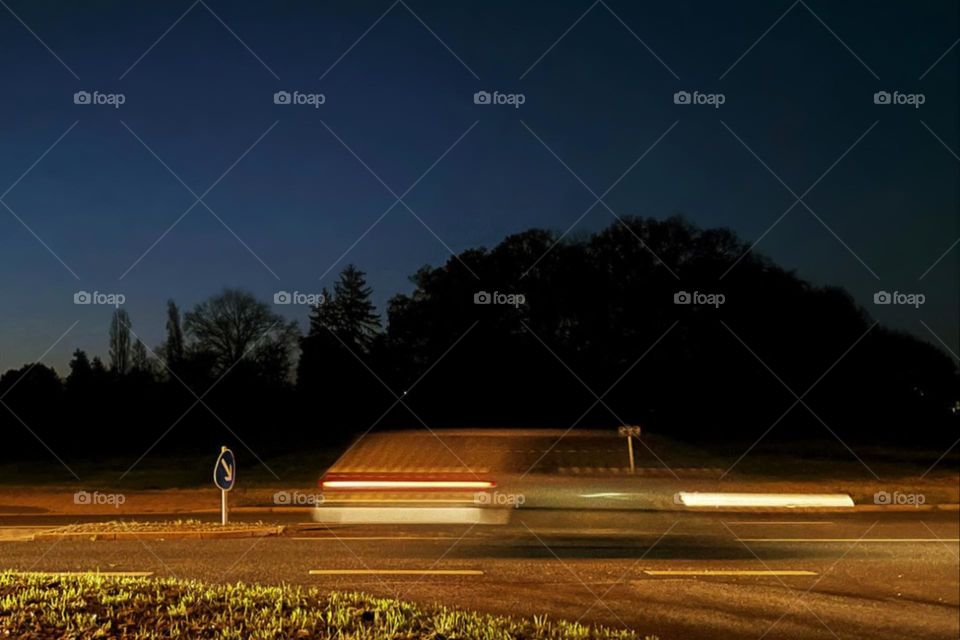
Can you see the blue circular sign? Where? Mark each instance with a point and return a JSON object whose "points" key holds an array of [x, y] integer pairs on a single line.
{"points": [[225, 473]]}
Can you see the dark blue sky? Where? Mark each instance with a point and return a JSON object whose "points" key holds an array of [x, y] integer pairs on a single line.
{"points": [[799, 99]]}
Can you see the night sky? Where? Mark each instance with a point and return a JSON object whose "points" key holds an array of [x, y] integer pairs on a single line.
{"points": [[288, 197]]}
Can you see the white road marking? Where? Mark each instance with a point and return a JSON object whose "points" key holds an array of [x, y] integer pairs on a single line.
{"points": [[396, 572], [398, 500], [407, 514], [728, 572], [885, 540], [789, 500], [336, 538], [106, 574], [774, 522], [407, 484]]}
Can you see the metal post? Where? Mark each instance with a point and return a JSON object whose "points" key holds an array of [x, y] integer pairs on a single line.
{"points": [[630, 449], [223, 508]]}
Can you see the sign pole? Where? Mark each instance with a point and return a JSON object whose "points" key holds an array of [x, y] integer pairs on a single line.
{"points": [[223, 499], [630, 432], [224, 476]]}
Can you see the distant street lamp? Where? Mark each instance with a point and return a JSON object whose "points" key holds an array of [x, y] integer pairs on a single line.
{"points": [[630, 432]]}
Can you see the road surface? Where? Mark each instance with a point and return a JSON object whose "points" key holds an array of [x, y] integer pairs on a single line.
{"points": [[669, 574]]}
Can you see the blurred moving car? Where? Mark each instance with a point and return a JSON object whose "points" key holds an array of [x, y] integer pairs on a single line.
{"points": [[440, 476], [409, 477], [478, 475]]}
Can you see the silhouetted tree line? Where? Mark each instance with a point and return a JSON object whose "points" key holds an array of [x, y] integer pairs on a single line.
{"points": [[540, 330]]}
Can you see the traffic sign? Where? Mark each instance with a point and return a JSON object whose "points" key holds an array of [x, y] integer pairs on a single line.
{"points": [[225, 473], [224, 476], [629, 430]]}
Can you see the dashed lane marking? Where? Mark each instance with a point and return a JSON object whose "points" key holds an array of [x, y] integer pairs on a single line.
{"points": [[381, 538], [778, 523], [728, 572], [881, 540], [396, 572], [106, 574]]}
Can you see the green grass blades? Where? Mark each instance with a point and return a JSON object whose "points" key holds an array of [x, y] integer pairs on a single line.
{"points": [[40, 606]]}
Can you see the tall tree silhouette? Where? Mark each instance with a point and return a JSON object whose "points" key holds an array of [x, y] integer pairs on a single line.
{"points": [[120, 342], [173, 346], [140, 361], [81, 376], [353, 314], [32, 417], [98, 369], [336, 354]]}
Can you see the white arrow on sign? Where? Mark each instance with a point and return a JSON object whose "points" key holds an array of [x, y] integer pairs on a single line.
{"points": [[226, 468]]}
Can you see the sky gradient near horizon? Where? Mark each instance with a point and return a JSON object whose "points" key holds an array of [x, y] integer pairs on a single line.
{"points": [[98, 198]]}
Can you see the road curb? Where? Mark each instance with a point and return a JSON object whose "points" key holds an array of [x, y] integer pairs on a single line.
{"points": [[857, 508], [260, 532], [863, 508], [245, 509], [904, 508]]}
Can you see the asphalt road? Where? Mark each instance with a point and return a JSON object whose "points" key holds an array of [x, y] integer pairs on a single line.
{"points": [[864, 575]]}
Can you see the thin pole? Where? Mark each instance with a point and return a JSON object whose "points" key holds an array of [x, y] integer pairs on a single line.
{"points": [[223, 508], [630, 449]]}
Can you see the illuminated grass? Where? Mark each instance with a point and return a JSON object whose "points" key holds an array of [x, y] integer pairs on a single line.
{"points": [[46, 606], [125, 526]]}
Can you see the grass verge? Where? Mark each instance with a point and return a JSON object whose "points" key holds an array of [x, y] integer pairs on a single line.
{"points": [[40, 606], [178, 526]]}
